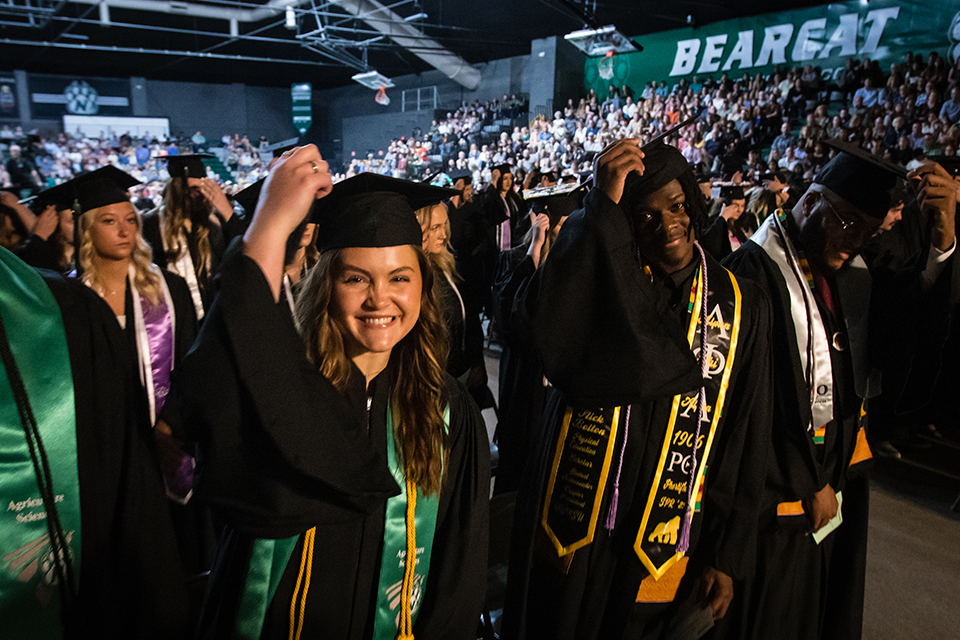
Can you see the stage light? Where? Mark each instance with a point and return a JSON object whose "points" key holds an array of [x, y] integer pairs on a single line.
{"points": [[291, 18], [597, 42]]}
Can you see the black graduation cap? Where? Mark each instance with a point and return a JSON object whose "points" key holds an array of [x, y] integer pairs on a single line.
{"points": [[106, 185], [504, 168], [462, 174], [559, 200], [248, 197], [62, 196], [187, 166], [371, 210], [732, 192], [862, 179], [950, 163], [662, 163]]}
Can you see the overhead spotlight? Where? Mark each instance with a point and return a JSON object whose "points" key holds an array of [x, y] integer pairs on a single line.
{"points": [[104, 14], [291, 18], [373, 80], [864, 3], [597, 42]]}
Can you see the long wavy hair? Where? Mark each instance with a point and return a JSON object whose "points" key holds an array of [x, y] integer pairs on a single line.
{"points": [[173, 221], [443, 260], [145, 279], [419, 392]]}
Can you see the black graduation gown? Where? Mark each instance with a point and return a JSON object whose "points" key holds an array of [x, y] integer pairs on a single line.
{"points": [[637, 328], [131, 581], [220, 236], [715, 238], [282, 451], [40, 253], [454, 317], [801, 589], [521, 383]]}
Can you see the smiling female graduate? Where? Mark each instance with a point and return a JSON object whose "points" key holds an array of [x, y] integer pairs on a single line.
{"points": [[638, 504], [305, 438]]}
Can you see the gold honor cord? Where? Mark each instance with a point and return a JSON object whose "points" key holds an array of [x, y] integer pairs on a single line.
{"points": [[667, 504], [306, 567], [578, 476]]}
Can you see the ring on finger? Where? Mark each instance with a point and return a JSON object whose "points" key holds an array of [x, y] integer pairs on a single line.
{"points": [[316, 169]]}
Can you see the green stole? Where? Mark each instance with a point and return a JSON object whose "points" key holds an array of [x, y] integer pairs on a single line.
{"points": [[29, 594], [269, 559]]}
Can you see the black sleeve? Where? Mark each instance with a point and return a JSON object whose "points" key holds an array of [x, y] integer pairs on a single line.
{"points": [[279, 447], [131, 579], [151, 233], [514, 267], [40, 253], [793, 471], [714, 238], [735, 483], [235, 226], [458, 565], [603, 333]]}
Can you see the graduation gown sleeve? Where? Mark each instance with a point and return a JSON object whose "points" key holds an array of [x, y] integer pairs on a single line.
{"points": [[279, 449], [608, 317], [794, 472], [131, 581]]}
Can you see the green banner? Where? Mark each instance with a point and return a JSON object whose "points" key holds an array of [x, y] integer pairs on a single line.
{"points": [[883, 30], [302, 106]]}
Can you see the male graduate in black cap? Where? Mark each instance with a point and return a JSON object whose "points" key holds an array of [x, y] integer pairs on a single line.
{"points": [[809, 579], [637, 508], [190, 230], [87, 547]]}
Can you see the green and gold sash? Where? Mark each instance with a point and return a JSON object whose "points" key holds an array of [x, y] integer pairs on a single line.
{"points": [[395, 548], [270, 558], [585, 447], [29, 591]]}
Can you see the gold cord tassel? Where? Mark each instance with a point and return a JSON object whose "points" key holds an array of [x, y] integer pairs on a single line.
{"points": [[406, 621], [306, 568]]}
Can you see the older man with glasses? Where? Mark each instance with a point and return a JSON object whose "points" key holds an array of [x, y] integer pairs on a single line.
{"points": [[810, 568]]}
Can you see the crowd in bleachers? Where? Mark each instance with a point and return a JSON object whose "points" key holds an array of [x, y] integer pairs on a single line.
{"points": [[753, 125]]}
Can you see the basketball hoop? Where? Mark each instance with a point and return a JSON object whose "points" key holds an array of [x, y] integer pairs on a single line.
{"points": [[381, 97], [605, 68]]}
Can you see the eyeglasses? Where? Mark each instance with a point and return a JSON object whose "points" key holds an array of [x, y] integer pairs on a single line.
{"points": [[847, 227]]}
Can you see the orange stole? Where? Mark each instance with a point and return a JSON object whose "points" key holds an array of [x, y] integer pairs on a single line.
{"points": [[664, 589], [861, 451]]}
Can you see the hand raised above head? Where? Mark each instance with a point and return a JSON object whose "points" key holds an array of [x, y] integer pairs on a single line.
{"points": [[294, 182], [612, 165], [937, 195]]}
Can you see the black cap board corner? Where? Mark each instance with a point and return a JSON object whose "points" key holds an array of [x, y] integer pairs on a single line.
{"points": [[62, 196], [862, 179], [188, 166], [462, 174], [732, 192], [101, 187], [371, 210], [248, 197]]}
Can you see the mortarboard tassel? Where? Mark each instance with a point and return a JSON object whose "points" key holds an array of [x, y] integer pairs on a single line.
{"points": [[612, 511]]}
